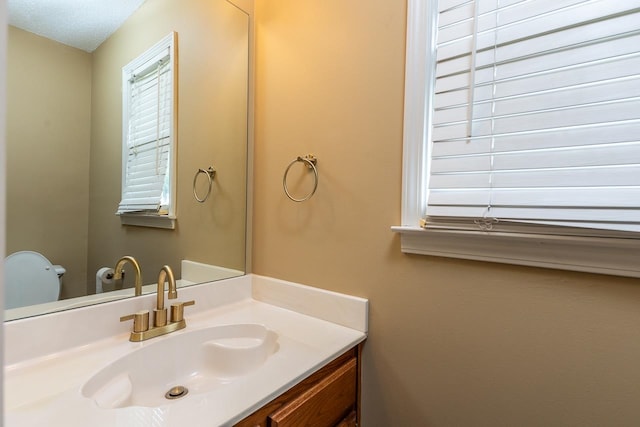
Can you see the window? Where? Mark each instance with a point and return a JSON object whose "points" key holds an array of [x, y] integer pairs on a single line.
{"points": [[148, 149], [521, 132]]}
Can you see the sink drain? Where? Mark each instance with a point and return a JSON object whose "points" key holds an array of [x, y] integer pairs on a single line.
{"points": [[176, 392]]}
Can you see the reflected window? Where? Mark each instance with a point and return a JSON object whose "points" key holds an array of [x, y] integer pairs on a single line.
{"points": [[148, 165]]}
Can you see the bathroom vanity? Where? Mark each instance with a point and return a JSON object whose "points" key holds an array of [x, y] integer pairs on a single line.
{"points": [[329, 397], [256, 351]]}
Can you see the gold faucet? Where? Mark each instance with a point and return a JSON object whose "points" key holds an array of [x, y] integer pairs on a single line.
{"points": [[117, 275], [160, 313], [141, 330]]}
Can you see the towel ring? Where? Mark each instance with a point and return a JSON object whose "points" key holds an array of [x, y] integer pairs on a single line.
{"points": [[211, 173], [311, 161]]}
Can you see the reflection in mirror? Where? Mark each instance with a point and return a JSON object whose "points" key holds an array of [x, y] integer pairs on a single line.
{"points": [[64, 148]]}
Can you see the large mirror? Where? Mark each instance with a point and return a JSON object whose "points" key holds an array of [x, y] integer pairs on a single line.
{"points": [[64, 150]]}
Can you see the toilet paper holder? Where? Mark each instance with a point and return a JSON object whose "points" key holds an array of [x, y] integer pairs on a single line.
{"points": [[104, 276]]}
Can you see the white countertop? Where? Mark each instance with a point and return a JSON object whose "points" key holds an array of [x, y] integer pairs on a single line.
{"points": [[44, 375]]}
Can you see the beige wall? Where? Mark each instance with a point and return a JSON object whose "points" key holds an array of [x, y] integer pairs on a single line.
{"points": [[212, 130], [48, 135], [452, 343]]}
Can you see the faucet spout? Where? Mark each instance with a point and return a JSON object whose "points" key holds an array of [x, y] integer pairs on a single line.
{"points": [[138, 273], [166, 274]]}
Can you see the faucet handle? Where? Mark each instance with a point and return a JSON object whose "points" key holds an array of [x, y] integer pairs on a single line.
{"points": [[177, 310], [140, 320]]}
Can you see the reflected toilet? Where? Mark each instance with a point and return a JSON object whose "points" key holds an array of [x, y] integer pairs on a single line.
{"points": [[30, 279]]}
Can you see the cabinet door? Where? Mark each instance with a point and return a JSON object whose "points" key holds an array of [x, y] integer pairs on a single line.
{"points": [[323, 405]]}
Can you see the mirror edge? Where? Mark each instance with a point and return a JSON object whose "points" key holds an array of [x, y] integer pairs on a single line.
{"points": [[248, 7]]}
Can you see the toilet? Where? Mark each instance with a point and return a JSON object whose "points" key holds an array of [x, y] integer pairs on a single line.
{"points": [[30, 279]]}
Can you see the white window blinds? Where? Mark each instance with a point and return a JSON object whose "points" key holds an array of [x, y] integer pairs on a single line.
{"points": [[536, 114], [148, 136]]}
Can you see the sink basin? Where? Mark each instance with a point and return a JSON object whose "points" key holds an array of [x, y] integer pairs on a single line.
{"points": [[197, 361]]}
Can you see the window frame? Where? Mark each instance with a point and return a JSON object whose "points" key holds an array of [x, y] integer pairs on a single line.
{"points": [[606, 255], [150, 219]]}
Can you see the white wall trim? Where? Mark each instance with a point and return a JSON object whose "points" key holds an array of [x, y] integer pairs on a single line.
{"points": [[587, 254], [416, 123], [148, 220]]}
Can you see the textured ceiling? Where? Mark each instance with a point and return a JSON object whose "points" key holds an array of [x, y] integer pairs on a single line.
{"points": [[83, 24]]}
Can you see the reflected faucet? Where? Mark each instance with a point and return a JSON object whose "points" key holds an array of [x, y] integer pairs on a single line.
{"points": [[117, 275], [160, 313]]}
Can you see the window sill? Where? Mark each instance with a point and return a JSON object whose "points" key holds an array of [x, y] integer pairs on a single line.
{"points": [[588, 254], [146, 220]]}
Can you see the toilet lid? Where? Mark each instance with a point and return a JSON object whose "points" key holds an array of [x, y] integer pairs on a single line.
{"points": [[29, 279]]}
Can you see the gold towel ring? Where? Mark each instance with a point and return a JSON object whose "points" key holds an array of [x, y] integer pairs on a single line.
{"points": [[311, 162], [211, 173]]}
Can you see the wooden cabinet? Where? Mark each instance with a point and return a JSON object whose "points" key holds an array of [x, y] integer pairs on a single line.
{"points": [[328, 398]]}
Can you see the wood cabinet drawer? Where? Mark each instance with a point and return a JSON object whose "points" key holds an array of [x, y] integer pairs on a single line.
{"points": [[351, 420], [329, 397], [323, 405]]}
